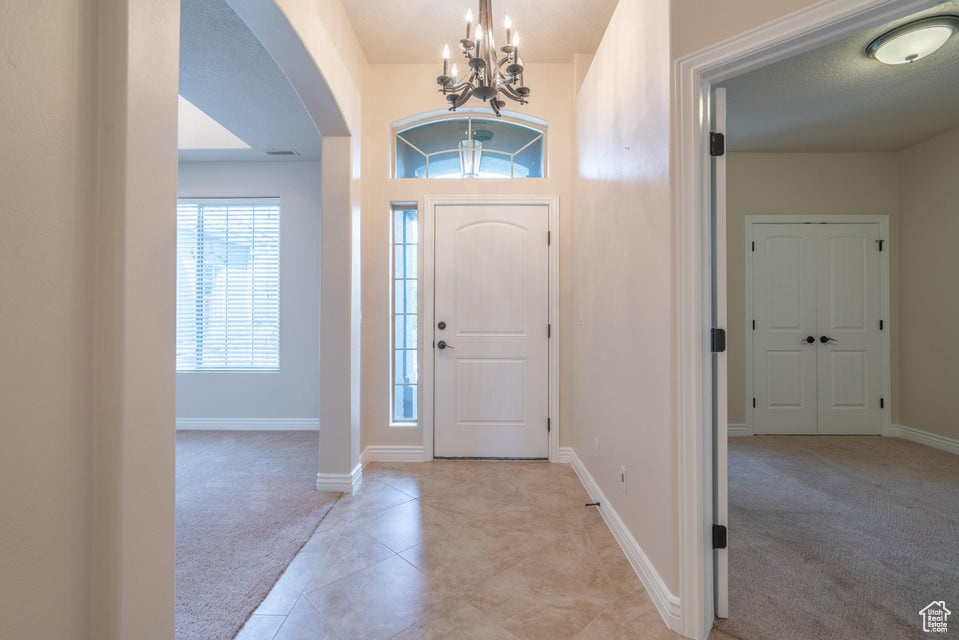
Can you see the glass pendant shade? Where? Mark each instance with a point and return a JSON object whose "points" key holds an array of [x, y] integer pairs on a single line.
{"points": [[471, 152]]}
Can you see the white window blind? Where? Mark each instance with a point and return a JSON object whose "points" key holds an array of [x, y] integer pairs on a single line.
{"points": [[228, 285]]}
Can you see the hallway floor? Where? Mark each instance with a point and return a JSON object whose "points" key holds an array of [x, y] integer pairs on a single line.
{"points": [[465, 550]]}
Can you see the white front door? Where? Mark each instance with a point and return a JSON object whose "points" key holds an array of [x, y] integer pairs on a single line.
{"points": [[817, 345], [490, 333]]}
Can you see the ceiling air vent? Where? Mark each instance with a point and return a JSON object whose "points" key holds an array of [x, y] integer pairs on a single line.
{"points": [[281, 152]]}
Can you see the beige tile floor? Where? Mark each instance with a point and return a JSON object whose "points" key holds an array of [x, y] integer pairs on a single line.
{"points": [[460, 550]]}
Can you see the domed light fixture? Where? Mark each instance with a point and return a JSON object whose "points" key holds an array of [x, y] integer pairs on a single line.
{"points": [[913, 40], [491, 73]]}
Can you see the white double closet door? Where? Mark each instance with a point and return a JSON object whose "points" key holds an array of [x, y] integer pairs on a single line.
{"points": [[817, 345]]}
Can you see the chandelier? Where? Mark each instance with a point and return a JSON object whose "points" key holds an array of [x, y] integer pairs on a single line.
{"points": [[489, 76]]}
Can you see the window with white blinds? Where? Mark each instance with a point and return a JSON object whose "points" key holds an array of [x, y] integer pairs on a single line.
{"points": [[228, 285]]}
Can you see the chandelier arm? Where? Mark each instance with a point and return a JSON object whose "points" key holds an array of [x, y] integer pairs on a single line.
{"points": [[459, 102], [511, 93]]}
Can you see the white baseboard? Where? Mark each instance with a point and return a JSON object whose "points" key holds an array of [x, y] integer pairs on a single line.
{"points": [[380, 453], [924, 437], [666, 603], [247, 424], [340, 482], [736, 430], [564, 455]]}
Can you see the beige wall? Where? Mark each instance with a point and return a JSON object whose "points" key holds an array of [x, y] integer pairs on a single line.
{"points": [[800, 184], [395, 92], [697, 24], [622, 352], [928, 268], [47, 176]]}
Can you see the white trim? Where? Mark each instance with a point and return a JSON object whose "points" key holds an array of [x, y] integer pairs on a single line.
{"points": [[884, 304], [247, 424], [950, 445], [386, 453], [737, 430], [804, 30], [565, 455], [427, 286], [666, 602], [340, 482]]}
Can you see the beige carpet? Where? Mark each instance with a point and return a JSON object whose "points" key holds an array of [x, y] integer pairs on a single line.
{"points": [[840, 537], [245, 504]]}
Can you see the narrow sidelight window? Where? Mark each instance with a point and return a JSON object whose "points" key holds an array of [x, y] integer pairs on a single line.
{"points": [[404, 318]]}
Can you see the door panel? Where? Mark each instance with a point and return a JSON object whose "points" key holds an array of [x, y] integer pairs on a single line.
{"points": [[784, 309], [849, 311], [491, 389]]}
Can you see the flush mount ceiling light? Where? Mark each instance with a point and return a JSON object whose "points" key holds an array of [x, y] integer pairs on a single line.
{"points": [[489, 74], [914, 40]]}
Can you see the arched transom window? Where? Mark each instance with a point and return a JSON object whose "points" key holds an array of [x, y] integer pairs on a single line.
{"points": [[469, 147]]}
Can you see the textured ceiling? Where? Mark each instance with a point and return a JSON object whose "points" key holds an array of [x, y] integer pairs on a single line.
{"points": [[835, 98], [227, 74], [414, 31]]}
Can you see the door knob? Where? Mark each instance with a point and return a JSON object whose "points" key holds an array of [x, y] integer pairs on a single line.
{"points": [[825, 339], [441, 325], [809, 339], [442, 345]]}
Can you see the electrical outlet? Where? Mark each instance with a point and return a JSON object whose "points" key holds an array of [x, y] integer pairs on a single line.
{"points": [[622, 478], [596, 448]]}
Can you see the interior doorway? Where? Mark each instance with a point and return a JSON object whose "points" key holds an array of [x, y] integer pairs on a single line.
{"points": [[697, 74]]}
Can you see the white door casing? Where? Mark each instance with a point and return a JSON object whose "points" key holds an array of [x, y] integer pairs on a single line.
{"points": [[489, 277], [823, 282]]}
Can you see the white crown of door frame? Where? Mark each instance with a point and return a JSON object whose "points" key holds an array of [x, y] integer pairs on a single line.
{"points": [[694, 76], [426, 310], [883, 222]]}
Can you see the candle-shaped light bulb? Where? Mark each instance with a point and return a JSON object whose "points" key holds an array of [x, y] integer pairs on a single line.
{"points": [[469, 22], [479, 39], [515, 45], [509, 29], [454, 71], [446, 57]]}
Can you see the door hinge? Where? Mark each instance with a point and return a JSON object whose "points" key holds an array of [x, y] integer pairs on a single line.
{"points": [[754, 246], [717, 144], [754, 403], [754, 325], [549, 237], [882, 403], [717, 340], [880, 325], [879, 242], [719, 536], [549, 331], [548, 426]]}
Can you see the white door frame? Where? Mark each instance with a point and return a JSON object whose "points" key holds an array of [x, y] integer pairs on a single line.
{"points": [[427, 283], [694, 75], [884, 363]]}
